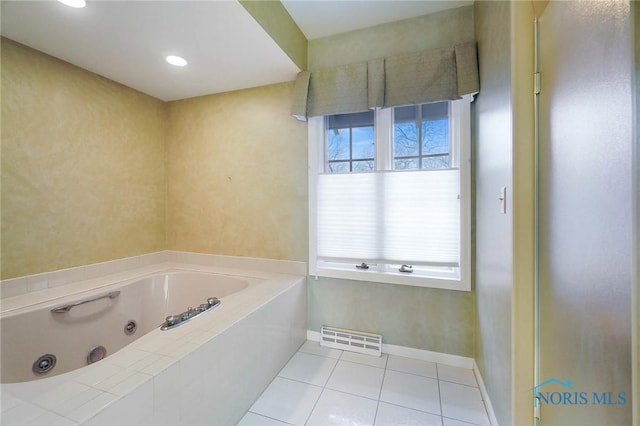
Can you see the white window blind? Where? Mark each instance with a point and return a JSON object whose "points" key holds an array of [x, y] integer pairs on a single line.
{"points": [[393, 217]]}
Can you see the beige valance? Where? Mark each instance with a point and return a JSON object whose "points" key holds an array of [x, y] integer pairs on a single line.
{"points": [[423, 77]]}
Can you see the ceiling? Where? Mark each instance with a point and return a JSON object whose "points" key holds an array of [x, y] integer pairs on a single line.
{"points": [[322, 18], [126, 41]]}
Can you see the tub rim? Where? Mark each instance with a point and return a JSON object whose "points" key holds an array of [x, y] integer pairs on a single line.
{"points": [[67, 293]]}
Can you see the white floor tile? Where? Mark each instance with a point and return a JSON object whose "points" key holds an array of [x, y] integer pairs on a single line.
{"points": [[287, 400], [373, 361], [311, 347], [356, 379], [411, 391], [462, 376], [325, 386], [452, 422], [392, 415], [308, 368], [252, 419], [464, 403], [413, 366], [338, 408]]}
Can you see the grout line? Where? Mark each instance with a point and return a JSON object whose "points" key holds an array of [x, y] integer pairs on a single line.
{"points": [[324, 387], [414, 409], [315, 404], [440, 400], [460, 421], [461, 384], [267, 417], [294, 380]]}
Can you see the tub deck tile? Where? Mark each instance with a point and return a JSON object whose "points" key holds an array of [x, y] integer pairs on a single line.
{"points": [[75, 402], [159, 365], [93, 406], [59, 395], [130, 383], [97, 373]]}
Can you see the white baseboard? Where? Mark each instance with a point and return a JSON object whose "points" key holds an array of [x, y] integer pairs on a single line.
{"points": [[438, 357], [485, 395]]}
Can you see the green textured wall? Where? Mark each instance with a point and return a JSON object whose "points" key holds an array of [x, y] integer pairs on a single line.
{"points": [[423, 318], [237, 175], [429, 319], [83, 177], [442, 29], [275, 20]]}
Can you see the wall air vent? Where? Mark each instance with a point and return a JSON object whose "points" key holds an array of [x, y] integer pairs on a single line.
{"points": [[350, 340]]}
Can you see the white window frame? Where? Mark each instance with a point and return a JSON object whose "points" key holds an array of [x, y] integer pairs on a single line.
{"points": [[460, 133]]}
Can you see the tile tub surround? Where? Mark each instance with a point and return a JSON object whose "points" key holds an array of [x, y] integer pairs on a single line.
{"points": [[165, 377]]}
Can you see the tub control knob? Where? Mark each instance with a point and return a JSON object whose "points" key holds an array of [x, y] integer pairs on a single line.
{"points": [[212, 301], [172, 319], [204, 307]]}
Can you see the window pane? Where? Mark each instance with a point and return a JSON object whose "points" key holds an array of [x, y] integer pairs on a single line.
{"points": [[405, 139], [406, 163], [362, 139], [363, 166], [339, 167], [436, 111], [435, 137], [338, 144], [405, 114], [358, 119], [436, 162]]}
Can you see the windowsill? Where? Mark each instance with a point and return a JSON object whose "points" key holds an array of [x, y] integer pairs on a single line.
{"points": [[394, 278]]}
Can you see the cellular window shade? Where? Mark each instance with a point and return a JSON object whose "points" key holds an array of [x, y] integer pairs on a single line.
{"points": [[407, 217]]}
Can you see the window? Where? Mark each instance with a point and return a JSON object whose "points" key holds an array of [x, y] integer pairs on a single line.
{"points": [[349, 142], [390, 195], [421, 136]]}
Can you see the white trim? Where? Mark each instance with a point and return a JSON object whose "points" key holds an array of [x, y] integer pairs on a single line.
{"points": [[462, 111], [384, 134], [315, 133], [390, 278], [420, 354], [460, 127], [485, 395]]}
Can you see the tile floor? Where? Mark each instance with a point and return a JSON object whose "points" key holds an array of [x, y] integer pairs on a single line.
{"points": [[322, 386]]}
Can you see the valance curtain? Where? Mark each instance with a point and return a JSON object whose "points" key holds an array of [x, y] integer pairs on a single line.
{"points": [[423, 77]]}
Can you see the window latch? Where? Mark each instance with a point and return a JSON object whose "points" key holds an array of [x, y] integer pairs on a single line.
{"points": [[406, 268], [362, 266]]}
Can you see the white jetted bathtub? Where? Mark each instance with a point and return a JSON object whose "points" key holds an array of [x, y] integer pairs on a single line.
{"points": [[72, 332], [114, 365]]}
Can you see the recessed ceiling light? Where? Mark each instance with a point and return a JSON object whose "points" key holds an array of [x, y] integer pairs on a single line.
{"points": [[176, 60], [74, 3]]}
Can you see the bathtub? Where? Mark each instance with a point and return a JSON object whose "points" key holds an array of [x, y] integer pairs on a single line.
{"points": [[209, 370], [111, 317]]}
